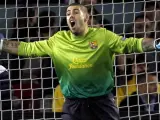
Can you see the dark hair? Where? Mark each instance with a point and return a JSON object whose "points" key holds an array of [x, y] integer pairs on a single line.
{"points": [[46, 19], [83, 7], [140, 16], [129, 30], [76, 4], [151, 4]]}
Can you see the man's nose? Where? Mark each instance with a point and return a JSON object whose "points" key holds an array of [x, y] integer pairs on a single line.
{"points": [[71, 17]]}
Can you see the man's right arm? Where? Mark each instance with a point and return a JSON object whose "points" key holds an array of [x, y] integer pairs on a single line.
{"points": [[38, 48], [10, 46]]}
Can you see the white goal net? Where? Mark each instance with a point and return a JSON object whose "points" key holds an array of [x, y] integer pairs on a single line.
{"points": [[29, 87]]}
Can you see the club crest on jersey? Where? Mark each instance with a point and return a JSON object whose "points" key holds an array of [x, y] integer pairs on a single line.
{"points": [[93, 44]]}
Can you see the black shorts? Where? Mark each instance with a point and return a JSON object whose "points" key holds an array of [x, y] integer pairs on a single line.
{"points": [[95, 108]]}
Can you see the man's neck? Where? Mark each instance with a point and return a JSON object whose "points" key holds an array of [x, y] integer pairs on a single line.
{"points": [[85, 31]]}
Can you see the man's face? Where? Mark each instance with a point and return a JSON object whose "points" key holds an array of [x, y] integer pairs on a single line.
{"points": [[152, 83], [138, 68], [143, 27], [76, 19], [150, 86]]}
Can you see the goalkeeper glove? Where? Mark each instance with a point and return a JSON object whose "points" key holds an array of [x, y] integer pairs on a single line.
{"points": [[1, 41], [157, 44]]}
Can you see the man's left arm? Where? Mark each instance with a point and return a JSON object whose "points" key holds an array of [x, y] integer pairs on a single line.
{"points": [[118, 44], [148, 44]]}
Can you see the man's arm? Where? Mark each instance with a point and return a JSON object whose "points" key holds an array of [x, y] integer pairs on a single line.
{"points": [[10, 46], [118, 44], [38, 48], [148, 44]]}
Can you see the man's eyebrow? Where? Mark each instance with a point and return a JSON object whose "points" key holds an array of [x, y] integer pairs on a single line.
{"points": [[76, 9], [73, 9]]}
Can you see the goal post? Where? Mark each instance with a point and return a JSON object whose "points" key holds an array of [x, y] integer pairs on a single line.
{"points": [[29, 87]]}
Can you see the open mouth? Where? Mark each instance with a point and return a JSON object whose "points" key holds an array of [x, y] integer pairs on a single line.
{"points": [[72, 23]]}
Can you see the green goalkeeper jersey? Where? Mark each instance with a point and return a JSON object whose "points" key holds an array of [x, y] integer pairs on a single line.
{"points": [[83, 63]]}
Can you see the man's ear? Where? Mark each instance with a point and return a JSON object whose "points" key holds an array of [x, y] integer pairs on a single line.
{"points": [[86, 18]]}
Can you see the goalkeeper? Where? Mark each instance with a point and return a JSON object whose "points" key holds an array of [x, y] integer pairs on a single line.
{"points": [[83, 61]]}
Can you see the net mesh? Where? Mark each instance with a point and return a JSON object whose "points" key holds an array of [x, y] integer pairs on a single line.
{"points": [[29, 86]]}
